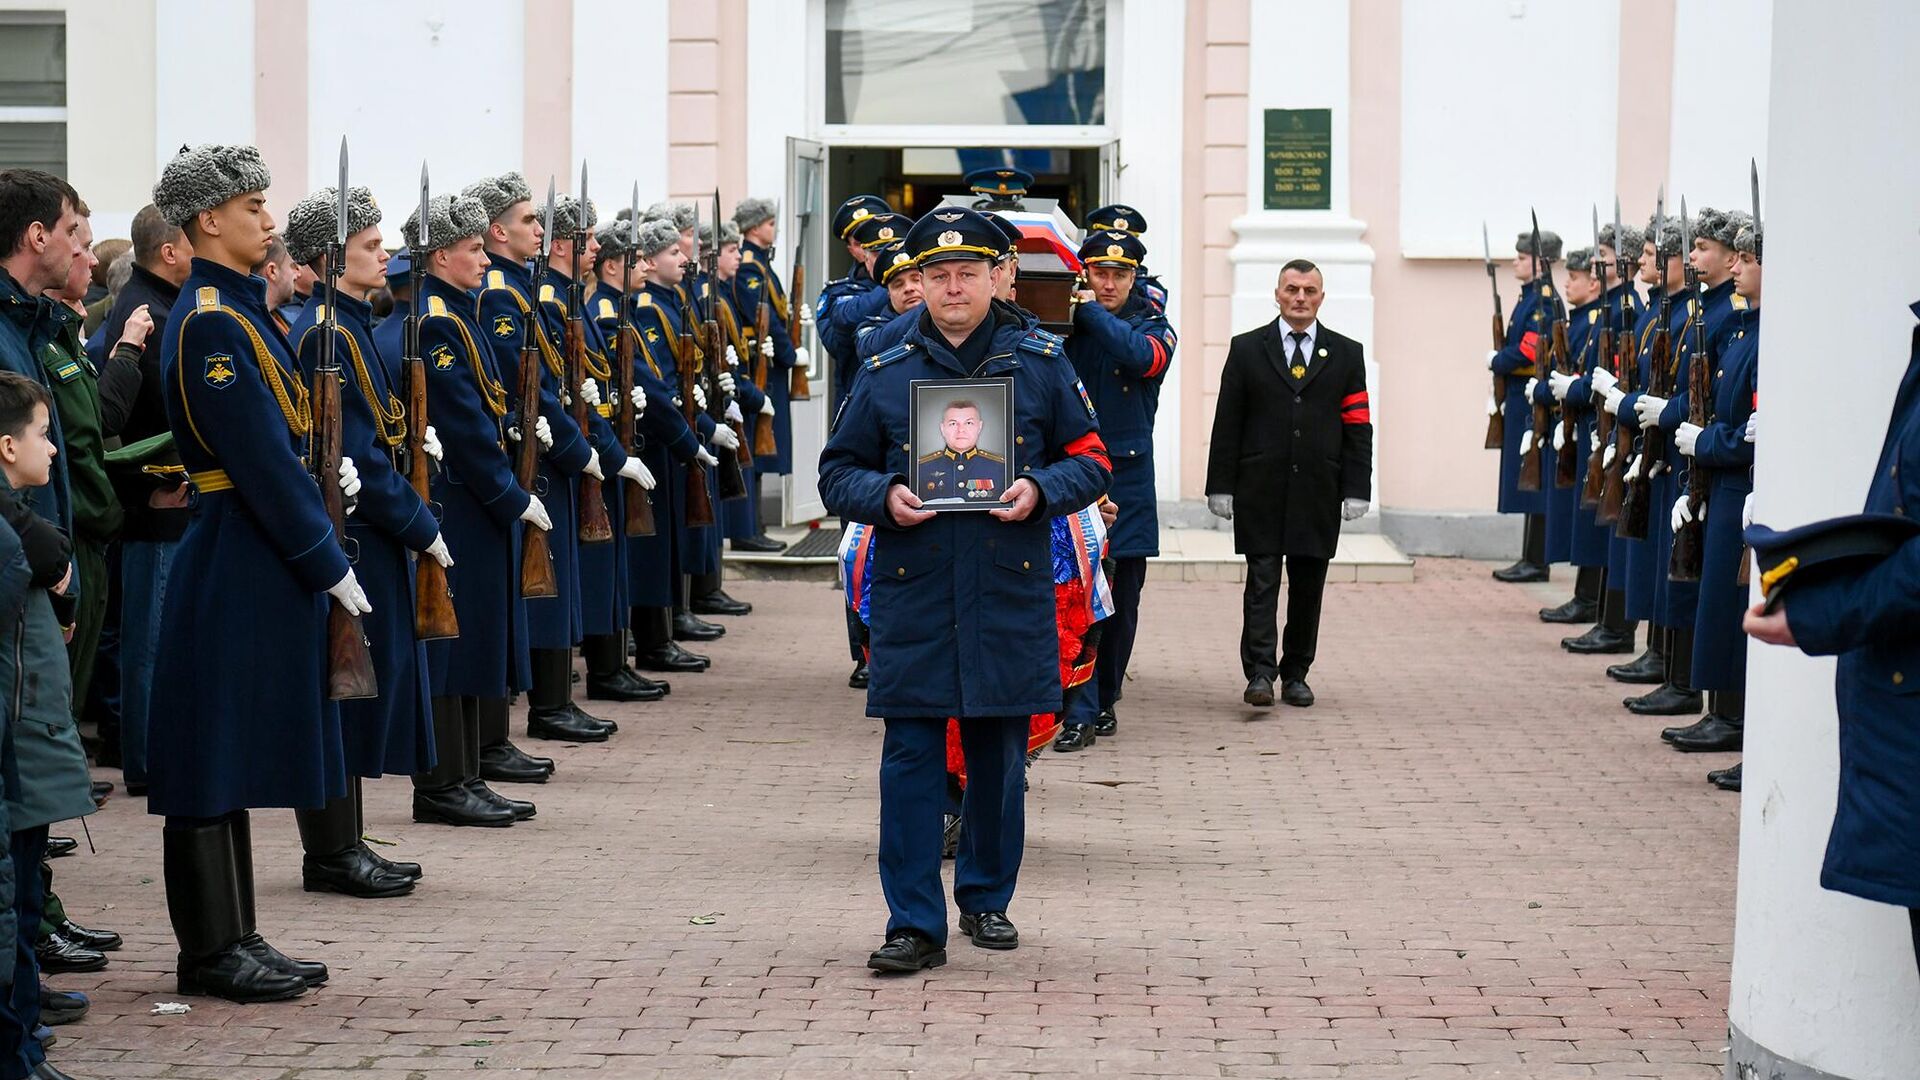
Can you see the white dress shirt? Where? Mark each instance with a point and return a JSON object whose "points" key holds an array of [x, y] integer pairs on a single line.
{"points": [[1287, 341]]}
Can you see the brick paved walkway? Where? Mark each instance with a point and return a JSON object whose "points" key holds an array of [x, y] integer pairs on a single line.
{"points": [[1467, 861]]}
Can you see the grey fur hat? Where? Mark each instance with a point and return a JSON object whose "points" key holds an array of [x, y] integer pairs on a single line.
{"points": [[310, 223], [1550, 244], [1748, 239], [729, 234], [496, 194], [1627, 243], [616, 237], [1730, 225], [1580, 259], [1715, 225], [683, 215], [752, 212], [1666, 238], [202, 177], [657, 236], [566, 216], [453, 218]]}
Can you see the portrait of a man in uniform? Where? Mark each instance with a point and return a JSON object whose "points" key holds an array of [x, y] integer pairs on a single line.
{"points": [[966, 420]]}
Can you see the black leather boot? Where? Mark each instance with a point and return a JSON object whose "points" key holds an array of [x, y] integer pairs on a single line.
{"points": [[204, 904], [1650, 667], [608, 676], [709, 598], [410, 870], [471, 780], [689, 627], [440, 795], [335, 861], [500, 760], [548, 699], [313, 971], [1599, 639]]}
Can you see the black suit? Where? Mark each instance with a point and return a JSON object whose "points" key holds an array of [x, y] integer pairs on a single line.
{"points": [[1289, 449]]}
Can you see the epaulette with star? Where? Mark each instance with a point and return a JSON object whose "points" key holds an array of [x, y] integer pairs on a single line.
{"points": [[898, 352], [1044, 342]]}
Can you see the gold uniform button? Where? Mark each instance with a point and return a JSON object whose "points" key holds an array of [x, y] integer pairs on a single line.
{"points": [[906, 448], [1898, 678], [1019, 440], [902, 571], [1126, 389], [1029, 566]]}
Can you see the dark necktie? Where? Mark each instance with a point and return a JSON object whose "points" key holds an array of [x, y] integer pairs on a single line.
{"points": [[1299, 352]]}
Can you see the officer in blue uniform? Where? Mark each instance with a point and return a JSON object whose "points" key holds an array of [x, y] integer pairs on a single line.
{"points": [[846, 303], [1119, 217], [507, 315], [1583, 290], [1720, 447], [252, 580], [962, 604], [1523, 355], [483, 510], [1613, 631], [999, 188], [1867, 613], [1121, 349], [961, 469], [391, 733]]}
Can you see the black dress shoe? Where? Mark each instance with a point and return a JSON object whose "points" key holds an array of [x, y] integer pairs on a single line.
{"points": [[58, 846], [1715, 734], [1521, 572], [622, 685], [521, 809], [137, 788], [352, 872], [103, 940], [907, 950], [457, 805], [311, 972], [505, 763], [1259, 691], [236, 974], [1667, 734], [58, 955], [409, 870], [718, 602], [1665, 700], [1647, 669], [1574, 611], [565, 725], [645, 683], [1074, 738], [990, 930], [1600, 639], [688, 627], [58, 1007], [101, 789], [589, 719], [762, 544], [670, 657], [1724, 779], [858, 680], [1296, 692], [1106, 725]]}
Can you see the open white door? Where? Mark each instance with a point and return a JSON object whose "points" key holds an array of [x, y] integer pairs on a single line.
{"points": [[807, 226], [1110, 172]]}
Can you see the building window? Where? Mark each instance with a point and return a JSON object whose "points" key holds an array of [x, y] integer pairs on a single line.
{"points": [[974, 62], [33, 90]]}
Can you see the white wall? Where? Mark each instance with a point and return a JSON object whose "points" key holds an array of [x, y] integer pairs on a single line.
{"points": [[1491, 93], [1820, 978], [203, 75], [1719, 107], [620, 99], [437, 81]]}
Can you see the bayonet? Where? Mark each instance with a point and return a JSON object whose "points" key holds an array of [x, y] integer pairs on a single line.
{"points": [[546, 231], [1753, 166]]}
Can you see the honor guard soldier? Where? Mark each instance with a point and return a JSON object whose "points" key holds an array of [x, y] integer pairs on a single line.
{"points": [[999, 188], [739, 518], [962, 603], [759, 283], [256, 570], [391, 733], [507, 317], [1119, 217], [846, 303], [1582, 289], [483, 510], [1121, 349], [1528, 340], [604, 571]]}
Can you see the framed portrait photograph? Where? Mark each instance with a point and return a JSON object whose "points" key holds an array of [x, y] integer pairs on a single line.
{"points": [[963, 442]]}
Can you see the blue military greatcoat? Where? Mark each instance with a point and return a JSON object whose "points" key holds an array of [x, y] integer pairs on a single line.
{"points": [[1527, 339], [662, 318], [757, 282], [740, 518], [845, 304], [1642, 576], [392, 733], [241, 718], [1719, 646], [1122, 359]]}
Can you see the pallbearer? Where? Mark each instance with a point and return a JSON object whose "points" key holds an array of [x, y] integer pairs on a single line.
{"points": [[847, 303]]}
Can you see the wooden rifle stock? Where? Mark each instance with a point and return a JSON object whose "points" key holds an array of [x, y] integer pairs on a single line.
{"points": [[763, 441], [726, 333], [349, 659], [594, 526], [699, 502], [1497, 420], [1689, 541], [1625, 361], [730, 480], [1636, 513], [433, 615], [798, 388], [536, 555], [627, 427], [1594, 484], [1566, 465]]}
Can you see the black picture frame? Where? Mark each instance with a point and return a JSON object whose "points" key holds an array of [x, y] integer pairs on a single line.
{"points": [[966, 477]]}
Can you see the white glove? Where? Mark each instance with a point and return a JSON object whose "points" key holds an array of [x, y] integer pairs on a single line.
{"points": [[733, 358], [438, 550], [806, 314], [1746, 513], [536, 514], [639, 396], [1683, 512], [800, 358], [704, 458], [1558, 382], [1220, 506], [1532, 385], [727, 385], [733, 413], [543, 431], [766, 406], [431, 444], [1603, 380], [766, 347], [1526, 442], [349, 478], [1648, 409], [1633, 467], [1559, 437], [1753, 422], [637, 472], [350, 595], [1614, 398], [1593, 441], [1491, 355], [593, 468], [699, 397], [1685, 437], [590, 392], [724, 438], [1493, 407], [1606, 460], [1351, 509]]}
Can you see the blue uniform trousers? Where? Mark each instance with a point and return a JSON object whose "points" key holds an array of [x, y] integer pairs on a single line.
{"points": [[1116, 641], [913, 770]]}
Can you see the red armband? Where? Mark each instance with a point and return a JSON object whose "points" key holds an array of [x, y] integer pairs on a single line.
{"points": [[1529, 345], [1161, 357], [1089, 445], [1354, 409]]}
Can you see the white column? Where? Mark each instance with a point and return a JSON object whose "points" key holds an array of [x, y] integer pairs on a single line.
{"points": [[1821, 980], [1301, 60]]}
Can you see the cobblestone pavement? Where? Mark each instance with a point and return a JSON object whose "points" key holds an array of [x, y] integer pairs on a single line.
{"points": [[1466, 861]]}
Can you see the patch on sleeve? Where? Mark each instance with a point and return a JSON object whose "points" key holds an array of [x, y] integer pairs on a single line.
{"points": [[503, 326], [219, 372], [68, 371], [1086, 400], [442, 356]]}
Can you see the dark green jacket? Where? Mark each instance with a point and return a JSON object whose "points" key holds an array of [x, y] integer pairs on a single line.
{"points": [[76, 397]]}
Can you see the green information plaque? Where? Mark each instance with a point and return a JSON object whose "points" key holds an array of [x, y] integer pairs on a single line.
{"points": [[1298, 163]]}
